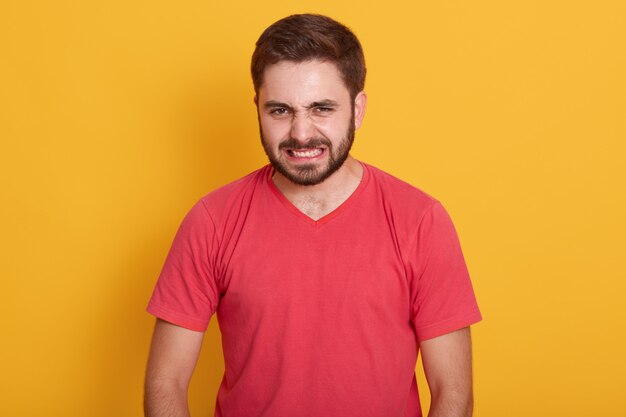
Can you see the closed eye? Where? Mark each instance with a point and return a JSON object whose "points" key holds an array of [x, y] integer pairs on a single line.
{"points": [[323, 107]]}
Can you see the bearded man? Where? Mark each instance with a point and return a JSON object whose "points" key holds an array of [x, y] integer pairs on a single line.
{"points": [[327, 275]]}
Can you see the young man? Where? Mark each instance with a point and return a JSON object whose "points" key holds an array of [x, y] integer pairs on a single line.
{"points": [[327, 275]]}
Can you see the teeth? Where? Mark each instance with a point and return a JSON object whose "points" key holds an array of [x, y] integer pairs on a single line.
{"points": [[306, 154]]}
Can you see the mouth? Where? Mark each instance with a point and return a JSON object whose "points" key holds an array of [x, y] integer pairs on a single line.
{"points": [[305, 154]]}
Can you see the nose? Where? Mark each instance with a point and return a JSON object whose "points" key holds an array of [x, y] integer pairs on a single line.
{"points": [[302, 127]]}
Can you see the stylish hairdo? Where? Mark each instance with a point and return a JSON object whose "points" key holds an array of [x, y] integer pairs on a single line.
{"points": [[305, 37]]}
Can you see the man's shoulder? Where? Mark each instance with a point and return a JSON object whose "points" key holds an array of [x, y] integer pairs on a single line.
{"points": [[222, 198], [409, 208], [397, 191]]}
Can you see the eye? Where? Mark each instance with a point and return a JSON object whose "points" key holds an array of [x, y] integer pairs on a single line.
{"points": [[324, 109], [279, 111]]}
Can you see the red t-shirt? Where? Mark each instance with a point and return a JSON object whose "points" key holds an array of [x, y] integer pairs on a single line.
{"points": [[318, 318]]}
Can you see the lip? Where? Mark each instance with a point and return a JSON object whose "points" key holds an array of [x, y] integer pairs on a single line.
{"points": [[291, 157]]}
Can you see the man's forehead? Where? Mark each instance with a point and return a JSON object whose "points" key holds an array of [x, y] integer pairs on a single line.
{"points": [[303, 81]]}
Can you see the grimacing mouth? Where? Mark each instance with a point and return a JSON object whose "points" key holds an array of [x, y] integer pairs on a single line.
{"points": [[308, 152]]}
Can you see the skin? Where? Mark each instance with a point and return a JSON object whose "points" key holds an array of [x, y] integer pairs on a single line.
{"points": [[173, 356], [447, 363], [300, 104]]}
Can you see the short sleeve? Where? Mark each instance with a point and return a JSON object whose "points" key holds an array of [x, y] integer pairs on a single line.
{"points": [[186, 293], [442, 297]]}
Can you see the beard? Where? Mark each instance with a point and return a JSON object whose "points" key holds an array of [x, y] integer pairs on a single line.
{"points": [[311, 174]]}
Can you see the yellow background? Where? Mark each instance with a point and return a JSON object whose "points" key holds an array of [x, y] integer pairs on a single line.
{"points": [[116, 116]]}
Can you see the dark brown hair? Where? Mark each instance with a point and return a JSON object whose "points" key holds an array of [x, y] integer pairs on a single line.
{"points": [[305, 37]]}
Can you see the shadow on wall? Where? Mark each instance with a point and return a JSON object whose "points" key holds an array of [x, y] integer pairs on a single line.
{"points": [[213, 137]]}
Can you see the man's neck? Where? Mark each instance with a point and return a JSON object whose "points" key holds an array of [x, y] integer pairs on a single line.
{"points": [[318, 200]]}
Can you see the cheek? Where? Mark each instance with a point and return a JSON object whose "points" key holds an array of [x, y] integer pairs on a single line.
{"points": [[333, 128], [274, 129]]}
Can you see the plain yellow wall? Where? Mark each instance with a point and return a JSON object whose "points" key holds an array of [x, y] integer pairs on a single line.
{"points": [[116, 116]]}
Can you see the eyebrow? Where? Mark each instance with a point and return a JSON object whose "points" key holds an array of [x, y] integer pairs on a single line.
{"points": [[272, 104], [322, 103]]}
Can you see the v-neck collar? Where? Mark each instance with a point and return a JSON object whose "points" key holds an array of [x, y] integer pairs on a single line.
{"points": [[326, 218]]}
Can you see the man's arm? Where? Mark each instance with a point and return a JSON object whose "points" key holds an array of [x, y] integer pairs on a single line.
{"points": [[448, 367], [173, 356]]}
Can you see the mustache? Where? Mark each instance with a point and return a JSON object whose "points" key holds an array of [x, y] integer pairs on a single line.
{"points": [[294, 144]]}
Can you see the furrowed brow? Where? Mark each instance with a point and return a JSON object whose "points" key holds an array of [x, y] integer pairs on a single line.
{"points": [[322, 103], [272, 104]]}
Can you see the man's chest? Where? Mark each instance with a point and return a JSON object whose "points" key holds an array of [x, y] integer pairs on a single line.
{"points": [[329, 272]]}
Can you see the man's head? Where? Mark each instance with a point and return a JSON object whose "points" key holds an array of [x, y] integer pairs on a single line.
{"points": [[308, 73], [307, 37]]}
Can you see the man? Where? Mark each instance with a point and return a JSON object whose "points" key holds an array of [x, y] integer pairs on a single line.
{"points": [[327, 275]]}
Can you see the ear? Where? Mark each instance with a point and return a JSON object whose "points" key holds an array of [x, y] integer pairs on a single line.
{"points": [[360, 102], [256, 100]]}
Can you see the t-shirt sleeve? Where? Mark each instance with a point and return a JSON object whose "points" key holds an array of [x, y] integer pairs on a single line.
{"points": [[186, 293], [442, 297]]}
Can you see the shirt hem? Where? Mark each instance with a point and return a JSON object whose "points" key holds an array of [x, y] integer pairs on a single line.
{"points": [[447, 326], [177, 318]]}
